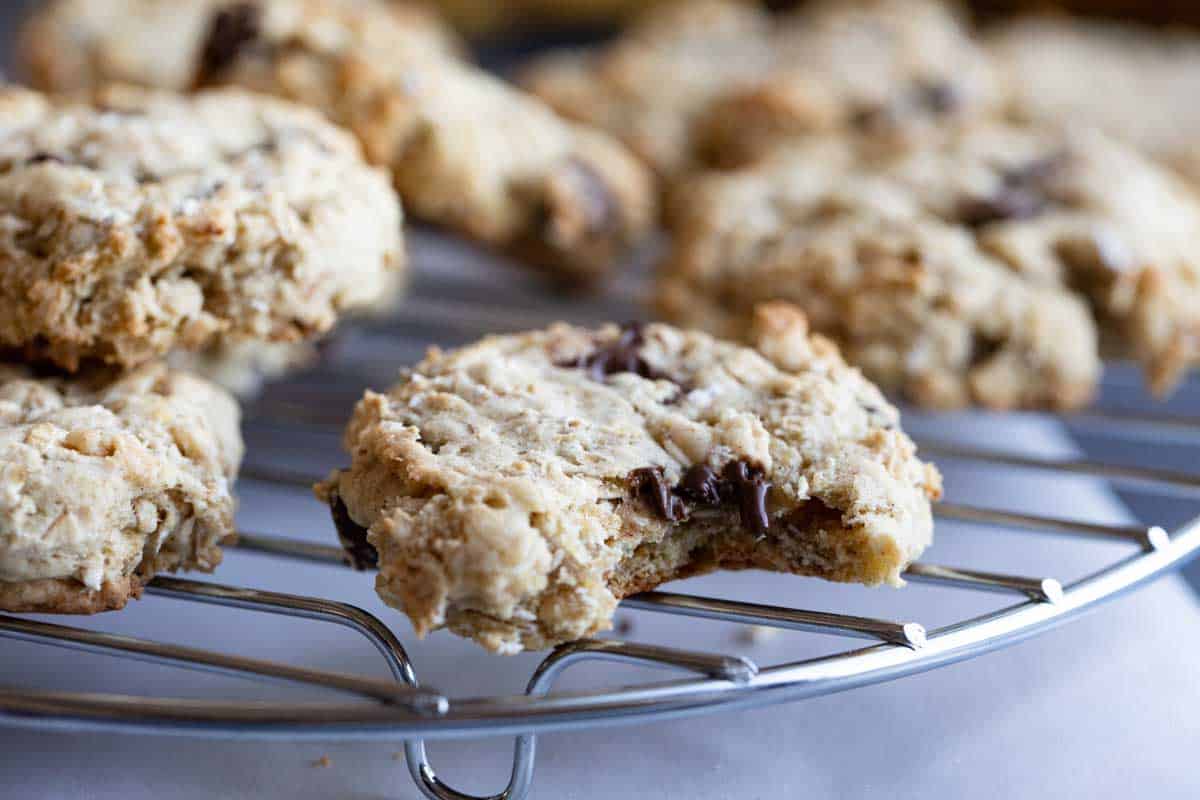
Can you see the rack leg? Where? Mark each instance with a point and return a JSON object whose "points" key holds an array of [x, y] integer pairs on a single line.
{"points": [[525, 749]]}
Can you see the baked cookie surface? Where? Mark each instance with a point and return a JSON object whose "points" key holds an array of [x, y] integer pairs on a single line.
{"points": [[892, 69], [901, 255], [74, 45], [146, 222], [467, 150], [718, 83], [106, 481], [1133, 82], [910, 298], [650, 86], [516, 489]]}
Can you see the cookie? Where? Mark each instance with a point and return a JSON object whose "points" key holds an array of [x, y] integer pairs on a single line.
{"points": [[650, 86], [717, 83], [914, 300], [1135, 83], [77, 45], [467, 150], [146, 222], [106, 481], [884, 68], [515, 490], [1073, 208]]}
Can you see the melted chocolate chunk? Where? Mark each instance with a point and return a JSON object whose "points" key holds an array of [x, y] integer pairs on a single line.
{"points": [[740, 483], [650, 484], [701, 485], [360, 554], [623, 355], [233, 27], [748, 487]]}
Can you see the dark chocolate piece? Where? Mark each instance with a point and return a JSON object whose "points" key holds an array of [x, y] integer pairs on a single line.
{"points": [[44, 158], [1005, 204], [623, 355], [360, 554], [233, 27], [939, 97], [748, 487], [650, 484], [1022, 194], [701, 485], [740, 483]]}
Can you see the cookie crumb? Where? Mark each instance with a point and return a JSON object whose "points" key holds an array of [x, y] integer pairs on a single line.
{"points": [[624, 627], [324, 762]]}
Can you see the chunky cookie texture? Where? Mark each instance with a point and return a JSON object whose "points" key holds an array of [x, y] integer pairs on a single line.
{"points": [[892, 69], [516, 489], [1075, 209], [147, 222], [106, 481], [1135, 83], [720, 83], [74, 45], [912, 298], [652, 84], [466, 149]]}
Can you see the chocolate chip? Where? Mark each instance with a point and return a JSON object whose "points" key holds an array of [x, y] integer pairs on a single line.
{"points": [[749, 487], [871, 117], [44, 158], [740, 483], [1008, 203], [360, 554], [650, 484], [701, 485], [623, 355], [1022, 193], [939, 97], [233, 27], [1037, 171]]}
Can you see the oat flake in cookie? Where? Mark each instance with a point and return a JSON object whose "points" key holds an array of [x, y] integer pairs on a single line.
{"points": [[516, 489], [146, 222], [105, 481]]}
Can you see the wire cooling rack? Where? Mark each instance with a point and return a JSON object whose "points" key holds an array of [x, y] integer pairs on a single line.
{"points": [[452, 307]]}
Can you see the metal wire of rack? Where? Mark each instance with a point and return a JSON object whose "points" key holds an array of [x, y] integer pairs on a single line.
{"points": [[706, 682]]}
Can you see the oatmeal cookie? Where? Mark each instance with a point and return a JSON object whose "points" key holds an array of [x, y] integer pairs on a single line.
{"points": [[717, 83], [1135, 83], [515, 490], [896, 69], [650, 86], [913, 300], [467, 150], [106, 481], [146, 222]]}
